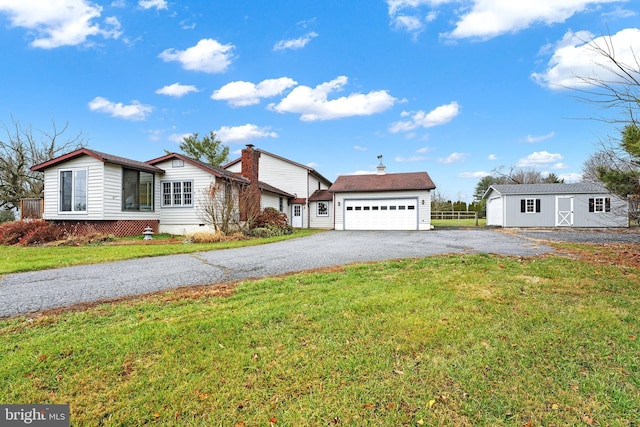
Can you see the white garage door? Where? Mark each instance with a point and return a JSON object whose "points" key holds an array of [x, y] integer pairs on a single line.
{"points": [[381, 214]]}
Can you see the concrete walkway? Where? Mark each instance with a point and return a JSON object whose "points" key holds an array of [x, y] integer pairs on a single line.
{"points": [[23, 293]]}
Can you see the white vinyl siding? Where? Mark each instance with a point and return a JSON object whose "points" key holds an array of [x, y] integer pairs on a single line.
{"points": [[321, 221], [94, 190]]}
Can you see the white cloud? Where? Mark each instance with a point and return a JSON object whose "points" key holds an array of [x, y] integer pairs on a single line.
{"points": [[134, 111], [177, 90], [571, 177], [531, 139], [412, 24], [242, 94], [492, 157], [539, 159], [424, 150], [453, 157], [486, 19], [148, 4], [58, 23], [243, 133], [576, 58], [313, 103], [359, 148], [409, 159], [295, 43], [179, 137], [436, 117], [479, 174], [207, 55]]}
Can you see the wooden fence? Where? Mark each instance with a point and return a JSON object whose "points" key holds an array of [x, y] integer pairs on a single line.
{"points": [[31, 208]]}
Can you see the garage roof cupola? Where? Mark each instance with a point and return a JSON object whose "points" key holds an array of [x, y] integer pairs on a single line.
{"points": [[381, 168]]}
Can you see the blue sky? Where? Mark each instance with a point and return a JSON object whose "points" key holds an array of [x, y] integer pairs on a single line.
{"points": [[456, 88]]}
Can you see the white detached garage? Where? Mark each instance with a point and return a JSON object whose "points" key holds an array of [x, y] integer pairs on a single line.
{"points": [[396, 201]]}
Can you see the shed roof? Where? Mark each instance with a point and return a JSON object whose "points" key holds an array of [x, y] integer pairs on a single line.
{"points": [[385, 182], [521, 189], [98, 155]]}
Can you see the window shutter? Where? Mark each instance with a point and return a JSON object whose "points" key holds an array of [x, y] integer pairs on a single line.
{"points": [[523, 205], [592, 204], [607, 205], [537, 205]]}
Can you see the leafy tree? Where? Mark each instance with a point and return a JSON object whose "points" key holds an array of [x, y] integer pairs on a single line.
{"points": [[622, 175], [552, 178], [22, 149], [485, 182], [207, 149]]}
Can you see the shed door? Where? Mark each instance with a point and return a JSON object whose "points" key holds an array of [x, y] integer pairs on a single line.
{"points": [[564, 211], [381, 214]]}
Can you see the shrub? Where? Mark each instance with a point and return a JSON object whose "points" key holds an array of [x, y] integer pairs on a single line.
{"points": [[208, 237], [29, 232], [270, 230], [6, 216], [270, 216]]}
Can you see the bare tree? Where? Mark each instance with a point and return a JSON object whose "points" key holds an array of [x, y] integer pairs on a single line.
{"points": [[520, 176], [228, 207], [218, 206], [22, 149]]}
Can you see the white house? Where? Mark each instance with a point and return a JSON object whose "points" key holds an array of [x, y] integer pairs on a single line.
{"points": [[394, 201], [555, 205], [90, 190], [295, 179]]}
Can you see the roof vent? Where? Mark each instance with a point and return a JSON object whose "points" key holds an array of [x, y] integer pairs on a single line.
{"points": [[381, 168]]}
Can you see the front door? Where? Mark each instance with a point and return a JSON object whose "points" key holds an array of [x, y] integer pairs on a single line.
{"points": [[564, 211], [296, 216]]}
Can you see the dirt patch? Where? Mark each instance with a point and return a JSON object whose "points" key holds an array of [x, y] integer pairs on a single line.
{"points": [[618, 254]]}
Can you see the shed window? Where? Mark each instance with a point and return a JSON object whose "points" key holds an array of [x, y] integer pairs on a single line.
{"points": [[600, 204], [529, 205]]}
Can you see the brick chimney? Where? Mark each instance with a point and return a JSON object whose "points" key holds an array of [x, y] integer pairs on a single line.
{"points": [[250, 203]]}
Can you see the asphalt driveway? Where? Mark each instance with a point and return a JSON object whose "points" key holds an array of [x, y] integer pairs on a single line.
{"points": [[23, 293]]}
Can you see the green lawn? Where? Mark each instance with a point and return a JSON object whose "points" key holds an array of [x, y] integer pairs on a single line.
{"points": [[466, 340], [464, 222], [19, 258]]}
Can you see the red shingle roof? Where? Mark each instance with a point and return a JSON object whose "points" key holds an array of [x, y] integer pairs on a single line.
{"points": [[386, 182], [321, 195], [214, 170]]}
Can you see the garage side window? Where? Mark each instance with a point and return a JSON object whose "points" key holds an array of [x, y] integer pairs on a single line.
{"points": [[529, 205], [323, 209]]}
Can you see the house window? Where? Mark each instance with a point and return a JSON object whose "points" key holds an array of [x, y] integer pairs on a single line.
{"points": [[177, 193], [323, 209], [600, 204], [529, 205], [73, 190], [137, 190], [281, 204]]}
